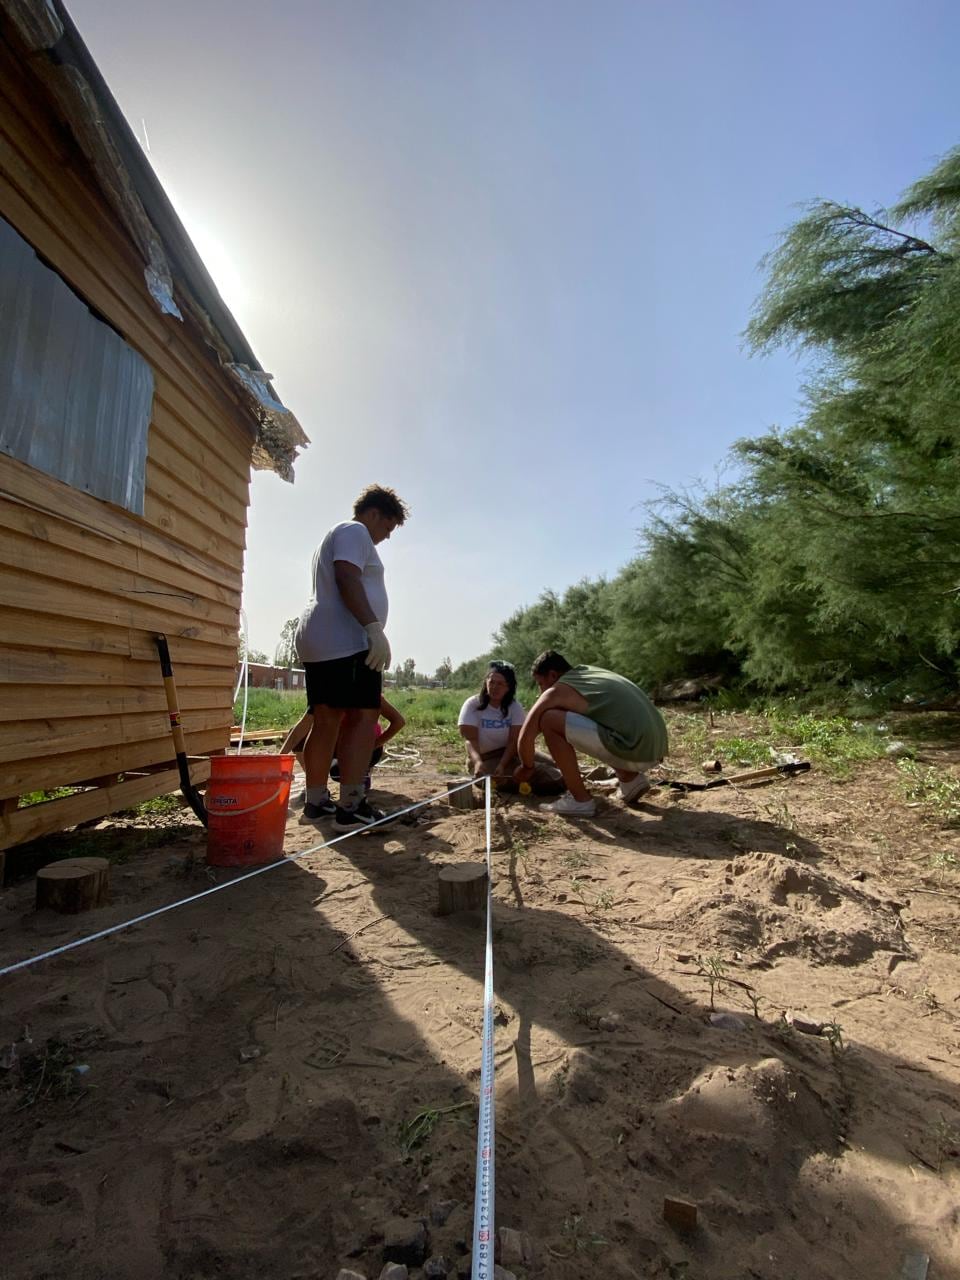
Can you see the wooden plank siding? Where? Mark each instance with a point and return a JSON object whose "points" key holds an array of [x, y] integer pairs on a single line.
{"points": [[41, 819], [84, 586]]}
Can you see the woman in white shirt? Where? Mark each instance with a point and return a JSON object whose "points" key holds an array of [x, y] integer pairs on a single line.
{"points": [[490, 724]]}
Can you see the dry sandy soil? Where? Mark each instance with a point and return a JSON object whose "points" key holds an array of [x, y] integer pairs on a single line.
{"points": [[278, 1071]]}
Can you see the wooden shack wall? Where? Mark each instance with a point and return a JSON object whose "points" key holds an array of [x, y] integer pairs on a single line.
{"points": [[84, 585]]}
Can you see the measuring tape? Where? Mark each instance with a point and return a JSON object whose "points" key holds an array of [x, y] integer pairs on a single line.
{"points": [[483, 1201]]}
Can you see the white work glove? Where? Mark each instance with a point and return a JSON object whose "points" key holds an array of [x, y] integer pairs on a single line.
{"points": [[378, 655]]}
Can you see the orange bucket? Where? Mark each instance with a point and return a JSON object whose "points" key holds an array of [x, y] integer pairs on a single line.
{"points": [[247, 798]]}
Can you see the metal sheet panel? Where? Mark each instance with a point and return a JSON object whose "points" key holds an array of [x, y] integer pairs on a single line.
{"points": [[75, 400]]}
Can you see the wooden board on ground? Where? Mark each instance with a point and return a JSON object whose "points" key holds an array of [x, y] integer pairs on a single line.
{"points": [[258, 735]]}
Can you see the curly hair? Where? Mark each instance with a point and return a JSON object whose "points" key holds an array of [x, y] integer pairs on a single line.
{"points": [[379, 498]]}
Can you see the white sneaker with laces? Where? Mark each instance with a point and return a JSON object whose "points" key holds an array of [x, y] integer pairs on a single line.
{"points": [[570, 808], [635, 788]]}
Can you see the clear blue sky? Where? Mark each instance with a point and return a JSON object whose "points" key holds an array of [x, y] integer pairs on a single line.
{"points": [[499, 253]]}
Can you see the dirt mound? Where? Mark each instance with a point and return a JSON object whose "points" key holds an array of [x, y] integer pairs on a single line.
{"points": [[773, 906], [765, 1103]]}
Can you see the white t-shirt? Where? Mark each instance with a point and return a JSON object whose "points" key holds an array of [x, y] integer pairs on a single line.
{"points": [[494, 727], [327, 628]]}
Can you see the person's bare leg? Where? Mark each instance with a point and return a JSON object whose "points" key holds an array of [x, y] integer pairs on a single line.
{"points": [[354, 749], [553, 724], [319, 746], [298, 735]]}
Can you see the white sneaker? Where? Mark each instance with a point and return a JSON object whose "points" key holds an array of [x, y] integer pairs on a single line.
{"points": [[570, 808], [635, 788]]}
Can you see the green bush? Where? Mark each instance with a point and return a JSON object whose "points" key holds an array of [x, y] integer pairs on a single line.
{"points": [[935, 789]]}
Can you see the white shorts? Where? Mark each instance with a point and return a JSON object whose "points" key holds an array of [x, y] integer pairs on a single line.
{"points": [[583, 734]]}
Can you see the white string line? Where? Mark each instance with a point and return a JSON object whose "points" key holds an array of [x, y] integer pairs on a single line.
{"points": [[228, 884]]}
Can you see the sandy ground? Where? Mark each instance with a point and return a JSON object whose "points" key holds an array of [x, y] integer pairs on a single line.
{"points": [[281, 1070]]}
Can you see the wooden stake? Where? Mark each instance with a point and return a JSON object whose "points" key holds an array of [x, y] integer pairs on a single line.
{"points": [[467, 797], [462, 886], [73, 885]]}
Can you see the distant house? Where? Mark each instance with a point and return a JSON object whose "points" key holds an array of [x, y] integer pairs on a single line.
{"points": [[262, 676], [131, 412]]}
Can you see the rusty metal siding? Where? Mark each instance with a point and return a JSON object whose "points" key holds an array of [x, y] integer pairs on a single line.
{"points": [[75, 399]]}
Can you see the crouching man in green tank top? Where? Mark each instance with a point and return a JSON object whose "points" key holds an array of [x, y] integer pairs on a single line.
{"points": [[599, 713]]}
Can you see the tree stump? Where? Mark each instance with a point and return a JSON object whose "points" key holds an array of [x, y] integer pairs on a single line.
{"points": [[462, 886], [467, 798], [73, 885]]}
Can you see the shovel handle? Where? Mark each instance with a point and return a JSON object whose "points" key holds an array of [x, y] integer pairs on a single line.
{"points": [[751, 775]]}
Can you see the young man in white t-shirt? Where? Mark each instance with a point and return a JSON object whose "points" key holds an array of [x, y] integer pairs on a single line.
{"points": [[343, 650]]}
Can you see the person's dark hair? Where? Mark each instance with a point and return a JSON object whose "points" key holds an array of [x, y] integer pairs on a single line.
{"points": [[550, 660], [506, 670], [378, 498]]}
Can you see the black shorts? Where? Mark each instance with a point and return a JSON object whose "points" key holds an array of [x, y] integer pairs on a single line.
{"points": [[344, 682]]}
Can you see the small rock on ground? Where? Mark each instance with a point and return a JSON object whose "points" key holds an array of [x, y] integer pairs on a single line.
{"points": [[441, 1211], [514, 1248], [800, 1022], [406, 1240]]}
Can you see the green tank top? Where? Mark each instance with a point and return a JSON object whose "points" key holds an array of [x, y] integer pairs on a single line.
{"points": [[630, 726]]}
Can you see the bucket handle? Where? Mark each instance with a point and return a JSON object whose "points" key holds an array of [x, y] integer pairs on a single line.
{"points": [[235, 813]]}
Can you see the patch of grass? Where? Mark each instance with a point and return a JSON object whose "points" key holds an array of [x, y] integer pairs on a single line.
{"points": [[425, 709], [560, 1077], [159, 806], [579, 1012], [936, 790], [746, 751], [834, 1034], [928, 998], [778, 811], [48, 1073], [579, 1238], [414, 1133], [714, 969], [943, 862], [604, 900], [270, 708], [689, 735], [446, 735], [832, 741], [41, 797], [946, 1140], [574, 860]]}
